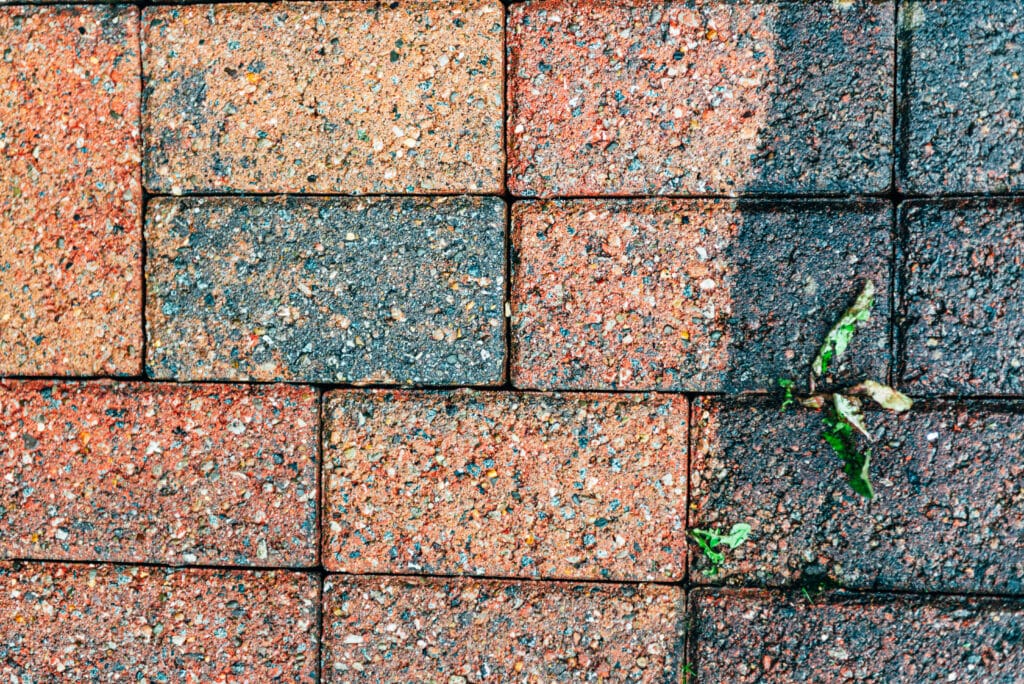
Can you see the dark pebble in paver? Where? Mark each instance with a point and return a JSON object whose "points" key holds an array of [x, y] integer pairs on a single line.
{"points": [[568, 486], [93, 623], [692, 295], [963, 96], [395, 290], [963, 305], [324, 97], [949, 486], [695, 98], [158, 473], [70, 191], [379, 629], [755, 636]]}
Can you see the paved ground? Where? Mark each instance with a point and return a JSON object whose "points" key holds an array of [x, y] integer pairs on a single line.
{"points": [[399, 342]]}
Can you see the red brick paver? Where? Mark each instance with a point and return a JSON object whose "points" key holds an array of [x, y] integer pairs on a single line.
{"points": [[82, 623], [553, 486], [400, 630], [348, 97], [946, 517], [70, 193], [691, 295], [962, 99], [963, 330], [158, 473], [741, 637], [714, 97]]}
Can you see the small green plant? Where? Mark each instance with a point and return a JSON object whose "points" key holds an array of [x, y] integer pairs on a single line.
{"points": [[842, 412], [709, 540], [687, 673]]}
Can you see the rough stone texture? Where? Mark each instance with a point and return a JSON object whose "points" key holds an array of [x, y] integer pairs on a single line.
{"points": [[692, 295], [721, 97], [70, 192], [379, 629], [567, 486], [761, 637], [158, 473], [93, 623], [962, 96], [347, 97], [949, 486], [963, 328], [322, 290]]}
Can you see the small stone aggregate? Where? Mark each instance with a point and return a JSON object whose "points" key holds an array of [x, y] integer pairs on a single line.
{"points": [[408, 341]]}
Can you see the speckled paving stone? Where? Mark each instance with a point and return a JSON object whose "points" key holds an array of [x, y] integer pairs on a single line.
{"points": [[691, 295], [393, 290], [962, 96], [346, 97], [92, 623], [756, 636], [379, 629], [568, 486], [158, 473], [70, 192], [963, 325], [713, 97], [949, 486]]}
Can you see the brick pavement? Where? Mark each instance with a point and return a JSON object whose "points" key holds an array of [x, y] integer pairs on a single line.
{"points": [[388, 342]]}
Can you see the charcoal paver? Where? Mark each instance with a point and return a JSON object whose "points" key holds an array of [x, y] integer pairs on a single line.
{"points": [[325, 97], [692, 295], [83, 623], [699, 98], [451, 630], [392, 290], [756, 636], [70, 191], [506, 484], [945, 518], [962, 319], [963, 98]]}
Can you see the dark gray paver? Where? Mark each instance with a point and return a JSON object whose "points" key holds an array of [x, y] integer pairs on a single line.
{"points": [[963, 300], [756, 636], [393, 290], [947, 515], [963, 97]]}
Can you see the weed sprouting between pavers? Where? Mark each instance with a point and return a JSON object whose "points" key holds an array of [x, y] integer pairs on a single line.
{"points": [[843, 414]]}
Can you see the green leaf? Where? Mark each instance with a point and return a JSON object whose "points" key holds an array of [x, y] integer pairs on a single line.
{"points": [[838, 338], [849, 408], [856, 464], [787, 399], [737, 535], [707, 540], [884, 396]]}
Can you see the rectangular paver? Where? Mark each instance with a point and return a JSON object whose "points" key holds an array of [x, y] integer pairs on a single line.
{"points": [[506, 484], [741, 637], [394, 290], [70, 191], [962, 99], [162, 473], [692, 295], [166, 473], [384, 629], [660, 97], [963, 324], [328, 97], [946, 514], [93, 623]]}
